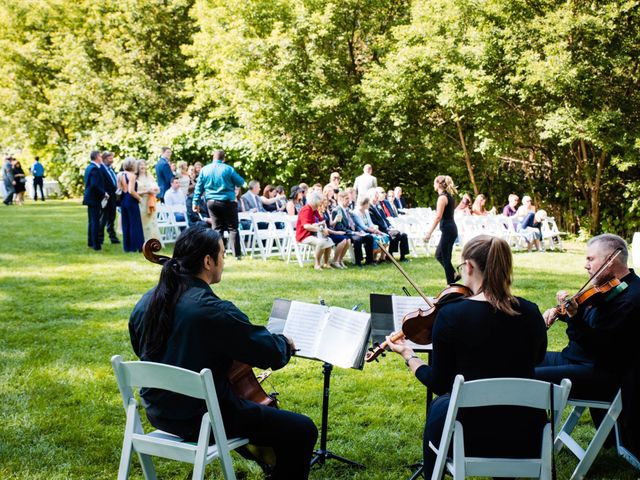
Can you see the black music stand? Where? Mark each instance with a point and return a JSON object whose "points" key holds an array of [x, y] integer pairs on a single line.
{"points": [[381, 325], [321, 455], [276, 323]]}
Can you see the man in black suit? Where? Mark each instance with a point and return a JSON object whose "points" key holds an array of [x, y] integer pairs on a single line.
{"points": [[94, 194], [344, 222], [398, 199], [398, 239], [108, 213]]}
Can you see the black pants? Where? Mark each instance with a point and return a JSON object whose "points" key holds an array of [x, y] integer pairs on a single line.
{"points": [[224, 218], [445, 248], [365, 241], [94, 226], [587, 382], [291, 435], [399, 241], [38, 182], [107, 220]]}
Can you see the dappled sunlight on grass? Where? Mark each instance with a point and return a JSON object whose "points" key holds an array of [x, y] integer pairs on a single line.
{"points": [[64, 311]]}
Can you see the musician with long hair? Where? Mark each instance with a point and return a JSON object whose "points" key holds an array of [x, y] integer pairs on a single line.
{"points": [[182, 322], [487, 335], [443, 184]]}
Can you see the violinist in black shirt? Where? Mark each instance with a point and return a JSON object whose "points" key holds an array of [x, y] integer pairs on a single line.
{"points": [[182, 322], [603, 335], [488, 335]]}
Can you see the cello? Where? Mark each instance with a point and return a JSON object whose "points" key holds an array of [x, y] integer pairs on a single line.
{"points": [[417, 326], [243, 381]]}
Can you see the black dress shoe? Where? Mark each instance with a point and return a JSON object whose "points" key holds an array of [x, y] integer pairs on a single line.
{"points": [[404, 259], [115, 241]]}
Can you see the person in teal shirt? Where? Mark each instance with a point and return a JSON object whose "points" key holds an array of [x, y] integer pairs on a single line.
{"points": [[217, 183], [38, 179]]}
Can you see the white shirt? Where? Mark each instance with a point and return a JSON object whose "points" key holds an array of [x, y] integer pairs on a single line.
{"points": [[174, 197]]}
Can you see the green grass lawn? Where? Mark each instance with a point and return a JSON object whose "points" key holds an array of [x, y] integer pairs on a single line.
{"points": [[64, 311]]}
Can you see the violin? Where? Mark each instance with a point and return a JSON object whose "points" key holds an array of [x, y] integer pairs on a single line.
{"points": [[417, 326], [589, 295], [243, 381]]}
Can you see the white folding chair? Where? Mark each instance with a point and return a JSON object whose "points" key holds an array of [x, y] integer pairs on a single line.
{"points": [[168, 231], [587, 456], [246, 234], [302, 251], [178, 211], [162, 444], [498, 392]]}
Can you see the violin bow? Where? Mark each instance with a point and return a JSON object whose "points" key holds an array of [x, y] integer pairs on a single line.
{"points": [[406, 275]]}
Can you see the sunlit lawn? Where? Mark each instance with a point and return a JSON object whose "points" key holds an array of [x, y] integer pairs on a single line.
{"points": [[64, 311]]}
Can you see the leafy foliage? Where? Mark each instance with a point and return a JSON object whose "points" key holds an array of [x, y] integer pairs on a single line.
{"points": [[537, 98]]}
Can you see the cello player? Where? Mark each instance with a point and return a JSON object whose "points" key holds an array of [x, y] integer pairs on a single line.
{"points": [[182, 322]]}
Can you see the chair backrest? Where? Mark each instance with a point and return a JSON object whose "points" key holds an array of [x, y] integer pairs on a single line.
{"points": [[173, 379], [502, 392]]}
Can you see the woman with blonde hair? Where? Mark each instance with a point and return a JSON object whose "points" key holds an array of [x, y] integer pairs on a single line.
{"points": [[445, 207], [478, 207], [147, 189], [490, 334], [183, 176]]}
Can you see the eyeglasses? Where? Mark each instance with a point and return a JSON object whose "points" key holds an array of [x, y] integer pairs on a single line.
{"points": [[460, 266]]}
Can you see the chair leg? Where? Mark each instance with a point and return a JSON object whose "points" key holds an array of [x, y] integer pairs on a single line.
{"points": [[125, 459], [568, 427], [147, 466], [599, 438]]}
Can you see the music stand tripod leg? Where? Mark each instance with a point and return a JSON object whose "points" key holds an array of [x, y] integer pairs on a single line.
{"points": [[321, 455]]}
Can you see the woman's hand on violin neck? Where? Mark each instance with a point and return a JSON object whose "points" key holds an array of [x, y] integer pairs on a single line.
{"points": [[400, 347]]}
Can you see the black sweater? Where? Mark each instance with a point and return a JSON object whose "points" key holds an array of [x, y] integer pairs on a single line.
{"points": [[207, 332]]}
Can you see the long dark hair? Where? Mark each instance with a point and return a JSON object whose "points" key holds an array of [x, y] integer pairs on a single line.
{"points": [[495, 261], [192, 246]]}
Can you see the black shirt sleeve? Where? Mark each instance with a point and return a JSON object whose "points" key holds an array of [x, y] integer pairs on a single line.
{"points": [[440, 375]]}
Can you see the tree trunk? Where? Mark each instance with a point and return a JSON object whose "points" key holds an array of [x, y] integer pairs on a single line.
{"points": [[467, 159], [595, 196]]}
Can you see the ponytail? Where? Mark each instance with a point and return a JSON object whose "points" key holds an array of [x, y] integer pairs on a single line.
{"points": [[192, 246], [495, 261], [445, 182]]}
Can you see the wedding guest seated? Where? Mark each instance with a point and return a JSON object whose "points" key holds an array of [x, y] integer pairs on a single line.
{"points": [[343, 220], [399, 201], [174, 196], [385, 204], [269, 199], [464, 207], [509, 209], [398, 240], [339, 237], [330, 196], [317, 187], [478, 207], [334, 181], [196, 218], [531, 229], [363, 221], [526, 207], [311, 229], [352, 197], [281, 198], [296, 200]]}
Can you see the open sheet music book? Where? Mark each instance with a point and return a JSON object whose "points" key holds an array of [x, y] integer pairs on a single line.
{"points": [[403, 305], [331, 334]]}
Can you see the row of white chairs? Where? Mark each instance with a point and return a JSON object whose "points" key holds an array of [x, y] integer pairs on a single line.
{"points": [[450, 451], [265, 235]]}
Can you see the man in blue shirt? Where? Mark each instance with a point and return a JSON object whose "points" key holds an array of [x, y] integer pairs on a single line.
{"points": [[164, 172], [217, 182], [38, 179]]}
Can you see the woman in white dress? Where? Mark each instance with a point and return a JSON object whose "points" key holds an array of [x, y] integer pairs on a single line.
{"points": [[147, 189], [183, 176]]}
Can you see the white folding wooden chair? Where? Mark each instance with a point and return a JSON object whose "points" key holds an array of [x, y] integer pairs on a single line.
{"points": [[168, 231], [302, 251], [498, 392], [246, 234], [587, 456], [178, 211], [162, 444]]}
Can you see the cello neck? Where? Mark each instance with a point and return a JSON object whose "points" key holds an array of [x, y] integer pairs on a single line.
{"points": [[406, 275]]}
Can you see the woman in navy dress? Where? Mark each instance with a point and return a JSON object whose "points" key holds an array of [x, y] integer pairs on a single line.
{"points": [[132, 235]]}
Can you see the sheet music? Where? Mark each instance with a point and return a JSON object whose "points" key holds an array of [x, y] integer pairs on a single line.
{"points": [[304, 324], [403, 305], [342, 337]]}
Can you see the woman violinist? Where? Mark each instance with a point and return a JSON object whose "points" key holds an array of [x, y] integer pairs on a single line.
{"points": [[182, 322], [489, 334]]}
